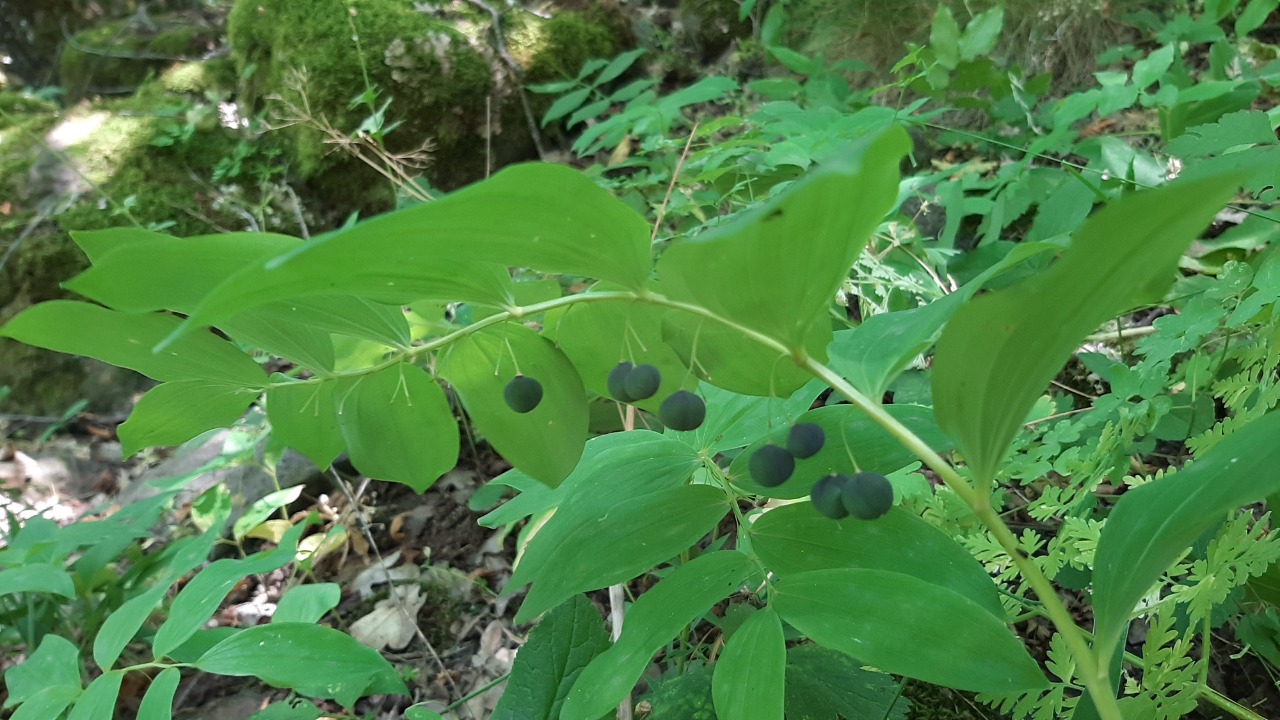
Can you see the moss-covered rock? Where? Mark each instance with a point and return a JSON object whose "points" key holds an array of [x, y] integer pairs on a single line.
{"points": [[118, 56], [557, 48], [709, 27]]}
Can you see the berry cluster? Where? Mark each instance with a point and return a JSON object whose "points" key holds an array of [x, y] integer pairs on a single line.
{"points": [[866, 495]]}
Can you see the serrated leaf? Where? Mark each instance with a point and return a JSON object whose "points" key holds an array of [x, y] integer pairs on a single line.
{"points": [[193, 607], [1152, 525], [174, 412], [1000, 351], [126, 340], [907, 626], [794, 539], [677, 600], [398, 426], [157, 704], [793, 252], [544, 443], [749, 677], [557, 650], [1246, 127], [850, 433], [310, 659], [823, 685], [304, 416]]}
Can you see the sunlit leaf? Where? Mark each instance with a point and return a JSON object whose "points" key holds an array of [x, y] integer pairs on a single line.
{"points": [[749, 677]]}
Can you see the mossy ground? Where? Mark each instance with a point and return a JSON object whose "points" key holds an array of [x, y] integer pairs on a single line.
{"points": [[118, 56]]}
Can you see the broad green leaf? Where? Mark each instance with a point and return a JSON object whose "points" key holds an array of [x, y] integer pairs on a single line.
{"points": [[566, 104], [397, 426], [637, 511], [1000, 351], [849, 432], [97, 243], [1253, 16], [38, 578], [981, 33], [169, 273], [1246, 127], [544, 443], [126, 340], [197, 602], [307, 603], [1152, 67], [310, 659], [682, 697], [736, 420], [728, 359], [263, 508], [304, 416], [793, 252], [293, 341], [174, 412], [121, 626], [54, 664], [871, 355], [1153, 524], [907, 626], [557, 650], [597, 336], [794, 539], [944, 37], [823, 684], [344, 315], [545, 217], [677, 600], [749, 677], [98, 701], [157, 704], [48, 703]]}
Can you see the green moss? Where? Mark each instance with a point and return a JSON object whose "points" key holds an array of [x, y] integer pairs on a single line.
{"points": [[571, 38], [121, 55]]}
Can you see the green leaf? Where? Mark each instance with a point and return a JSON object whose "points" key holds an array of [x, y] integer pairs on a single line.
{"points": [[545, 217], [793, 252], [728, 359], [1246, 127], [566, 104], [749, 677], [557, 650], [794, 539], [823, 685], [342, 314], [736, 420], [980, 34], [293, 341], [677, 600], [307, 603], [907, 626], [637, 512], [398, 426], [309, 659], [619, 65], [38, 578], [197, 602], [1152, 67], [174, 412], [262, 508], [849, 432], [54, 664], [126, 340], [304, 416], [121, 626], [1152, 525], [97, 243], [1000, 351], [794, 61], [1253, 16], [160, 272], [544, 443], [157, 704], [47, 703], [944, 37], [98, 701]]}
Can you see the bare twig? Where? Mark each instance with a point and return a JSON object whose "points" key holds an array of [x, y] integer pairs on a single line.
{"points": [[517, 74], [671, 186]]}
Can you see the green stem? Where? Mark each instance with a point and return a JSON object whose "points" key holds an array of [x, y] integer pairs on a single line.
{"points": [[1223, 702]]}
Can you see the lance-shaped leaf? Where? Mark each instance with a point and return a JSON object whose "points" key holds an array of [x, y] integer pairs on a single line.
{"points": [[750, 676], [544, 443], [908, 626], [546, 217], [126, 340], [794, 252], [1000, 350], [1152, 525], [397, 426], [558, 649], [677, 600]]}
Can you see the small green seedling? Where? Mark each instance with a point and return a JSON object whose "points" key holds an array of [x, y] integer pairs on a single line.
{"points": [[523, 393], [771, 465], [682, 411]]}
